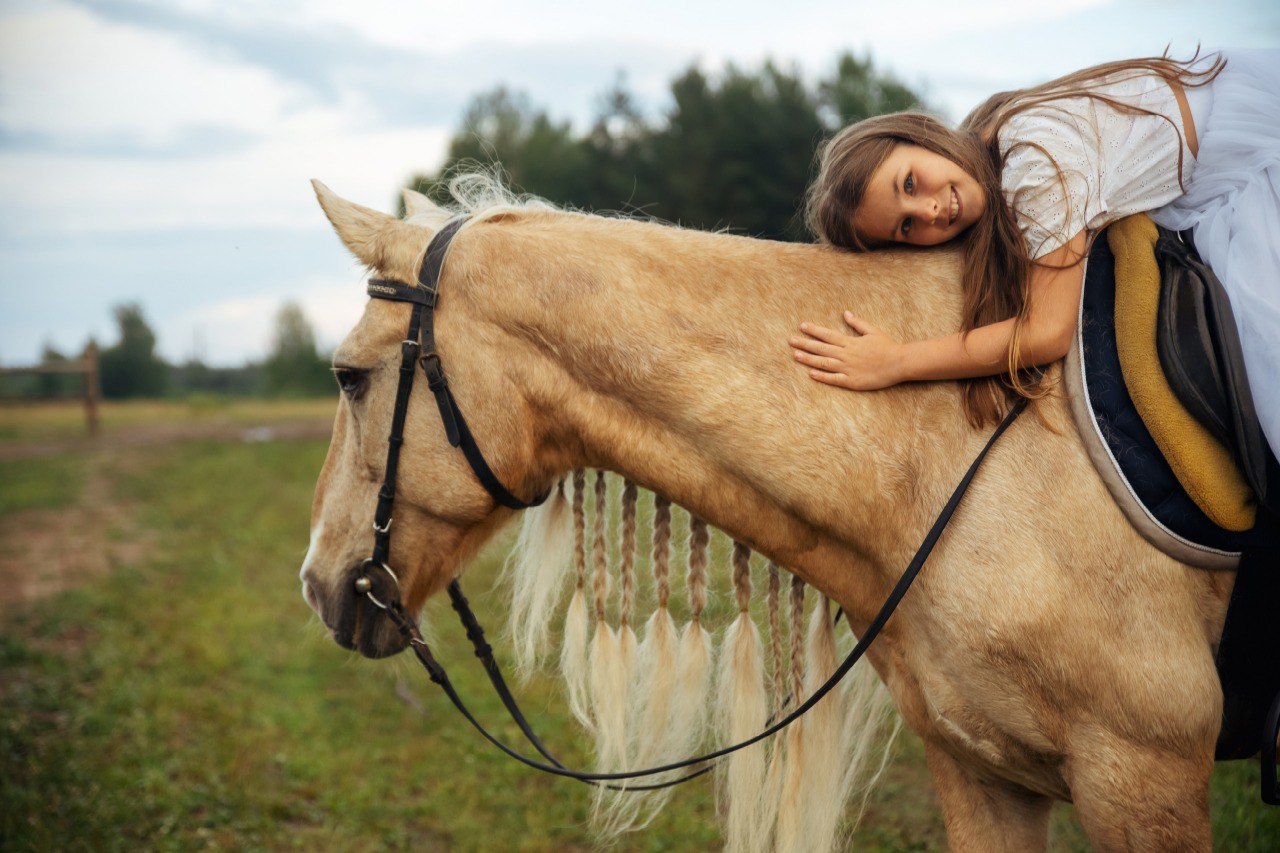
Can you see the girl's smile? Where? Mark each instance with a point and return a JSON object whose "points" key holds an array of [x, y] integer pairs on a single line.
{"points": [[918, 197]]}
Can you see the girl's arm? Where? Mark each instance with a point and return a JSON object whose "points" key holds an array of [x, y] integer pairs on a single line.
{"points": [[870, 359]]}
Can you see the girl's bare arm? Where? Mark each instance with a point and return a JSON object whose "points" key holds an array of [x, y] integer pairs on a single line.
{"points": [[870, 359]]}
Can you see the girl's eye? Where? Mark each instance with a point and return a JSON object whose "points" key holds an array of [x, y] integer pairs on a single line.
{"points": [[909, 185], [351, 380]]}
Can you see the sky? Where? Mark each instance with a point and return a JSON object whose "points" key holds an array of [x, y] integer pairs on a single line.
{"points": [[160, 152]]}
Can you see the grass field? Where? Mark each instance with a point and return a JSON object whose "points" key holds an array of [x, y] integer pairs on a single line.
{"points": [[187, 698], [32, 422]]}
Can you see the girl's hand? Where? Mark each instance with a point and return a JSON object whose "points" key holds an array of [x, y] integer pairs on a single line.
{"points": [[865, 361]]}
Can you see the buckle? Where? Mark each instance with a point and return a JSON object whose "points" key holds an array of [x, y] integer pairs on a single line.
{"points": [[434, 370]]}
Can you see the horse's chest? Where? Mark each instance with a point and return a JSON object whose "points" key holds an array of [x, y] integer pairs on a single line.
{"points": [[991, 727]]}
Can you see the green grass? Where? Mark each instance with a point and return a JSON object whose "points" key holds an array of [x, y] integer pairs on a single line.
{"points": [[49, 483], [194, 701]]}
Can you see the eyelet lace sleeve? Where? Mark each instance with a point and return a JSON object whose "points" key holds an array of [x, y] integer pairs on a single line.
{"points": [[1050, 209]]}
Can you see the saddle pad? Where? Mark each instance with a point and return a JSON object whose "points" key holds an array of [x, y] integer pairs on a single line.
{"points": [[1117, 441], [1203, 465]]}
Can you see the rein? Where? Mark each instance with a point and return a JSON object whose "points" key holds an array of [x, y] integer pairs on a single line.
{"points": [[383, 588]]}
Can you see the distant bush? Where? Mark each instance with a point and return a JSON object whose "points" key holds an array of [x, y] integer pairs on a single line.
{"points": [[131, 367], [294, 368]]}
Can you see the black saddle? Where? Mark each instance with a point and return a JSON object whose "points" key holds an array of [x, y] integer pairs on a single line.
{"points": [[1198, 345]]}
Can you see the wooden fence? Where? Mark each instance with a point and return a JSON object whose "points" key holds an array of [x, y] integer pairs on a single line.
{"points": [[87, 366]]}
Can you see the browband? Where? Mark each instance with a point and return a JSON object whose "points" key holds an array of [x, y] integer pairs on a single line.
{"points": [[398, 291]]}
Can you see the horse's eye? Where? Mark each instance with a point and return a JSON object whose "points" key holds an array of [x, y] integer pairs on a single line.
{"points": [[351, 380]]}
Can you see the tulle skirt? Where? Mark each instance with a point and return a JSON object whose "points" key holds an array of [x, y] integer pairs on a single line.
{"points": [[1232, 205]]}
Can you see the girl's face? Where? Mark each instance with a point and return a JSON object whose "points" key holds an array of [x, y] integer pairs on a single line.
{"points": [[918, 197]]}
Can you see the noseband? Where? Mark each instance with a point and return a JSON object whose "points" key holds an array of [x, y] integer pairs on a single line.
{"points": [[383, 588]]}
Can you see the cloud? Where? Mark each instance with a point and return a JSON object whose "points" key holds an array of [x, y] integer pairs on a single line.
{"points": [[191, 141], [241, 328], [410, 64], [263, 185], [71, 75]]}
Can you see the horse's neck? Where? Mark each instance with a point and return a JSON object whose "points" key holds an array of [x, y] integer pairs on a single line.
{"points": [[662, 354]]}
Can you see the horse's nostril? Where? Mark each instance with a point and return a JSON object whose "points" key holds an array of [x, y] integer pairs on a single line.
{"points": [[309, 596]]}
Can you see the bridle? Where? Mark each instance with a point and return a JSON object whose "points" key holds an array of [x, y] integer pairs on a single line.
{"points": [[378, 583]]}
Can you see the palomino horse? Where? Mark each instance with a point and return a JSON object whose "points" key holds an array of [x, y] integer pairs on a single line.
{"points": [[1047, 652]]}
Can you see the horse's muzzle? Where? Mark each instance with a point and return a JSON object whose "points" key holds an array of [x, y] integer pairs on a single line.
{"points": [[354, 619]]}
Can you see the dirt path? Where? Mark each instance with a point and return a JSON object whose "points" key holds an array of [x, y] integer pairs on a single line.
{"points": [[45, 551]]}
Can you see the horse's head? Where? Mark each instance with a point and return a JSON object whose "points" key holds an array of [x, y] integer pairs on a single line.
{"points": [[442, 514]]}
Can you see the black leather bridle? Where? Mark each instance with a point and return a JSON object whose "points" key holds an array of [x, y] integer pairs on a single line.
{"points": [[382, 588]]}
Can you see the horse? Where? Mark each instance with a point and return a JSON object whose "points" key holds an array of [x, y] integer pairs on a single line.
{"points": [[1046, 653]]}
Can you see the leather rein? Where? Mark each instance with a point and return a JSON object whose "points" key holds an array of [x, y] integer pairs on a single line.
{"points": [[382, 588]]}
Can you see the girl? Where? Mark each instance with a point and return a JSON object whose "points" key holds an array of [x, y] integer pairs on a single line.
{"points": [[1026, 181]]}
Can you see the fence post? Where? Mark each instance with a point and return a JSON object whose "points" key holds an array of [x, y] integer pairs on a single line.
{"points": [[91, 386]]}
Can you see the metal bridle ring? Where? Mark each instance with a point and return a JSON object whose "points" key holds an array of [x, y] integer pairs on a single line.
{"points": [[363, 581]]}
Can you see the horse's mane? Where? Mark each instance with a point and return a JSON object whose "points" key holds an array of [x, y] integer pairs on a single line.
{"points": [[483, 193]]}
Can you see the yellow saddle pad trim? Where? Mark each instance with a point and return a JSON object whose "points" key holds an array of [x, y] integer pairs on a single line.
{"points": [[1201, 463]]}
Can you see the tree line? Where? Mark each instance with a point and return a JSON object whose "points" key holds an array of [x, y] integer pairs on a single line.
{"points": [[131, 367], [732, 151]]}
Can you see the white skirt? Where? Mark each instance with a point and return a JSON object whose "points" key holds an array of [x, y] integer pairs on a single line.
{"points": [[1232, 205]]}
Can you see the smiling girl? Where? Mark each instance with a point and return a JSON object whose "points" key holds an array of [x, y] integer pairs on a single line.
{"points": [[1025, 183]]}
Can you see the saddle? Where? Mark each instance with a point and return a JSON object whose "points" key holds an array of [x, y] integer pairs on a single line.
{"points": [[1160, 397], [1176, 480]]}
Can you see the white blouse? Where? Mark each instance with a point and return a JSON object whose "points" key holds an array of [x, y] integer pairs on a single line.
{"points": [[1113, 164]]}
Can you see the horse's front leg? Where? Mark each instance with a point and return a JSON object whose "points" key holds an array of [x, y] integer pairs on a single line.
{"points": [[983, 816], [1133, 798]]}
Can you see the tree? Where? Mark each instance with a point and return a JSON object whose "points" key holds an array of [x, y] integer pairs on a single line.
{"points": [[737, 151], [857, 91], [535, 153], [294, 368], [131, 368]]}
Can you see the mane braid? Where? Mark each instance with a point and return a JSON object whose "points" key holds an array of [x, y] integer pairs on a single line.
{"points": [[743, 708], [628, 647], [797, 638], [573, 651], [699, 539], [690, 708], [627, 598], [775, 637], [662, 549], [600, 552], [608, 666], [580, 526], [657, 732]]}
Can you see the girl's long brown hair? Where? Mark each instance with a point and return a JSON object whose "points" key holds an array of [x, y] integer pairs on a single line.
{"points": [[997, 262]]}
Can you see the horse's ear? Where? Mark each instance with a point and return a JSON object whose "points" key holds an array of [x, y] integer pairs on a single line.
{"points": [[378, 240], [419, 208]]}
